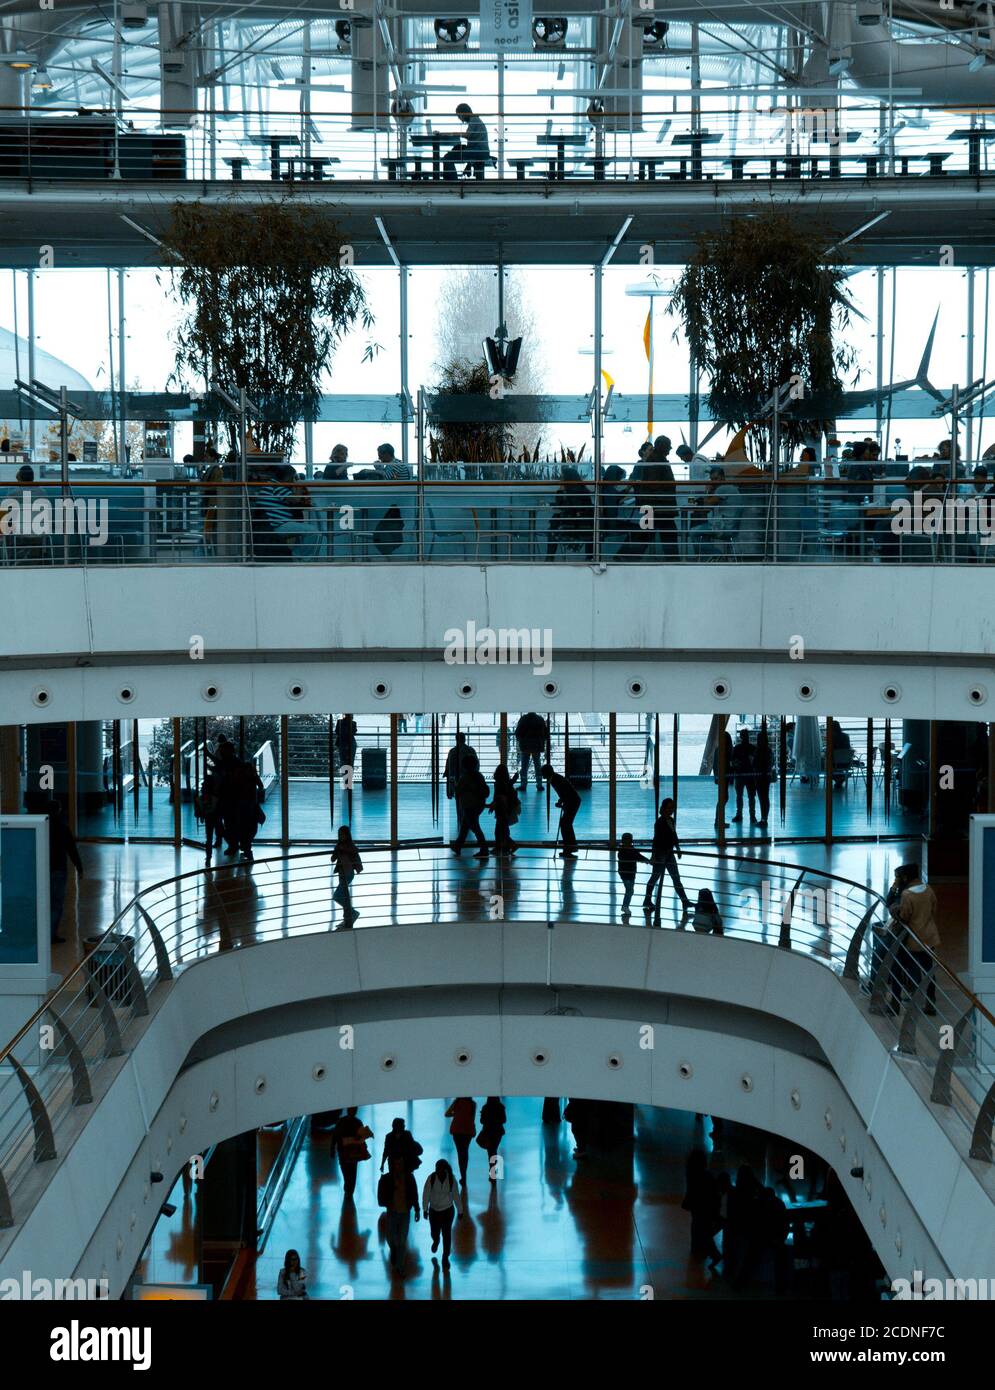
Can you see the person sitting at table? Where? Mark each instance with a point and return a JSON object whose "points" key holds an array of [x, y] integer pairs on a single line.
{"points": [[336, 470], [842, 755], [388, 465], [716, 512], [474, 152]]}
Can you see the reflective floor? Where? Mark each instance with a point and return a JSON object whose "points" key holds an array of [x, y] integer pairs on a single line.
{"points": [[115, 873], [609, 1225], [368, 812]]}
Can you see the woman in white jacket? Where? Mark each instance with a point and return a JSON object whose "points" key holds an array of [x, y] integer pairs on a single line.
{"points": [[441, 1204]]}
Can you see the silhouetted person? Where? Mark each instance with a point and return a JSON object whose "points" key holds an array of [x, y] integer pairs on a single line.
{"points": [[532, 737], [345, 741], [442, 1205], [702, 1200], [247, 794], [462, 1115], [722, 794], [471, 798], [210, 810], [493, 1118], [572, 519], [741, 771], [568, 801], [706, 913], [345, 857], [626, 861], [474, 152], [763, 772], [401, 1143], [398, 1194], [506, 808], [455, 767], [349, 1144], [61, 851], [665, 853]]}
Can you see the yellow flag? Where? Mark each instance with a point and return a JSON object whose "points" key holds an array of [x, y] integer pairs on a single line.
{"points": [[648, 331], [609, 380]]}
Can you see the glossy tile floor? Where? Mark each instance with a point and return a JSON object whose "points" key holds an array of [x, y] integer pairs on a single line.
{"points": [[553, 1227], [115, 873], [369, 812]]}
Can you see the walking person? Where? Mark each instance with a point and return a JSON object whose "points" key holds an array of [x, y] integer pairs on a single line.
{"points": [[350, 1146], [463, 1116], [401, 1143], [532, 737], [703, 1201], [625, 861], [741, 770], [209, 806], [493, 1118], [568, 801], [722, 784], [763, 774], [62, 850], [345, 857], [442, 1205], [398, 1195], [471, 798], [665, 853], [506, 808], [247, 814], [291, 1283], [345, 743]]}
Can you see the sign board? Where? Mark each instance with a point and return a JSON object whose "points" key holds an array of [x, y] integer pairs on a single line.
{"points": [[24, 915], [982, 901], [506, 26], [89, 451]]}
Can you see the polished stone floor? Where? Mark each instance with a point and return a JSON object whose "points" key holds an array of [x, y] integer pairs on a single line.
{"points": [[609, 1226], [116, 873], [368, 812]]}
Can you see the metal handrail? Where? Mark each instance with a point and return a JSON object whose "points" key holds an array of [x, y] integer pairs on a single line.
{"points": [[298, 901]]}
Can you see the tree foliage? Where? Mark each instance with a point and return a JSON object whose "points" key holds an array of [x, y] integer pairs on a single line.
{"points": [[266, 301], [760, 302]]}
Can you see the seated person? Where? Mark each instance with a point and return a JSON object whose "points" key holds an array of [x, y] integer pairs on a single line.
{"points": [[716, 508], [475, 151]]}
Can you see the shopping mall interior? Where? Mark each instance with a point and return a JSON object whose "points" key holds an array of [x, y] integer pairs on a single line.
{"points": [[497, 751]]}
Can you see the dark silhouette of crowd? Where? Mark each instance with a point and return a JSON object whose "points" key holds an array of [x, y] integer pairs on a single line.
{"points": [[230, 802]]}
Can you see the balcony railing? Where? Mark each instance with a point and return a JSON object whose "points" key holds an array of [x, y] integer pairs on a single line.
{"points": [[51, 1070], [315, 148], [748, 520]]}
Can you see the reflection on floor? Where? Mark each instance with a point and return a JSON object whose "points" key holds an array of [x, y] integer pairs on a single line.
{"points": [[608, 1226], [369, 813], [115, 873]]}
